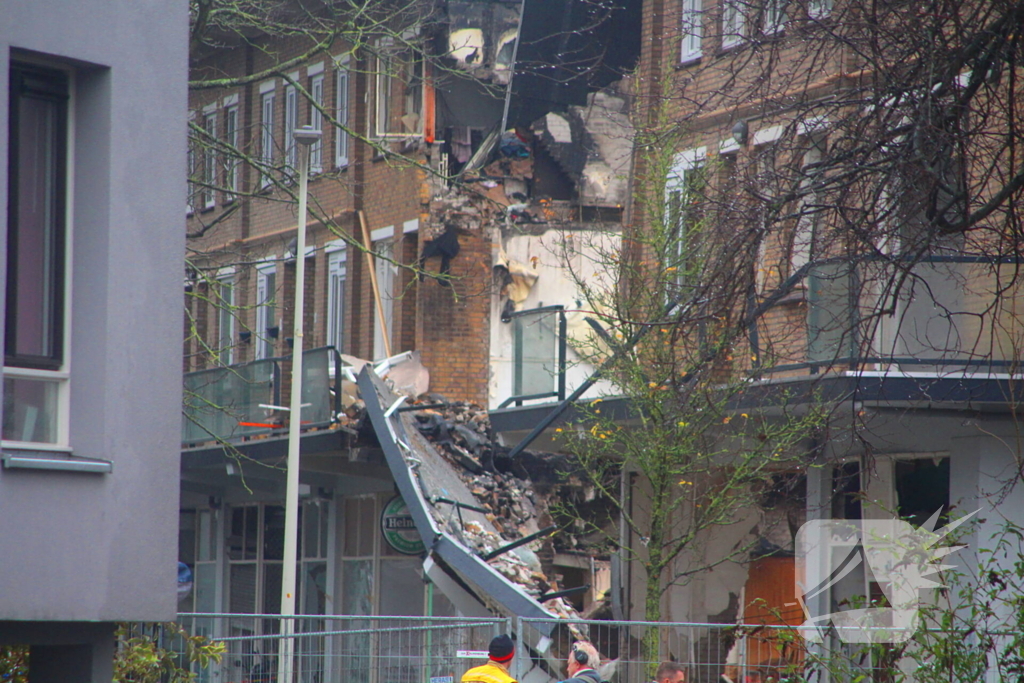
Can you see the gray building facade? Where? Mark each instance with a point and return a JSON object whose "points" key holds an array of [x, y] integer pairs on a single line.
{"points": [[92, 124]]}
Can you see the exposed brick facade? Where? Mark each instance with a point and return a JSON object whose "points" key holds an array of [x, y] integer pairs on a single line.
{"points": [[448, 325]]}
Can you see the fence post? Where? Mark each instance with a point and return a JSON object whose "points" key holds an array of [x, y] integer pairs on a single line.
{"points": [[521, 651]]}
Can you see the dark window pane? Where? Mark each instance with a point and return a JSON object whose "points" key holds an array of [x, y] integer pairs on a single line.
{"points": [[35, 257], [273, 533]]}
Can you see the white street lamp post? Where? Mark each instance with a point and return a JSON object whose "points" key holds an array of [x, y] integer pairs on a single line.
{"points": [[306, 137]]}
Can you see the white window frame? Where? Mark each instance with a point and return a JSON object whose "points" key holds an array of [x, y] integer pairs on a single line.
{"points": [[61, 376], [764, 141], [773, 16], [341, 113], [267, 102], [291, 122], [734, 23], [805, 232], [691, 29], [190, 190], [684, 164], [266, 316], [383, 241], [337, 284], [316, 119], [819, 9], [225, 316], [232, 167], [383, 66], [210, 159]]}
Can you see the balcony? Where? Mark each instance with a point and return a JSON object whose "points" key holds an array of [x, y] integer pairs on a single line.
{"points": [[245, 400], [539, 345], [954, 315]]}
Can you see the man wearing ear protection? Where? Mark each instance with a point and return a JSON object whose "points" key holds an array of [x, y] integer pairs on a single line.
{"points": [[582, 664]]}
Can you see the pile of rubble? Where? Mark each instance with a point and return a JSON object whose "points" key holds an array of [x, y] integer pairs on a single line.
{"points": [[461, 433]]}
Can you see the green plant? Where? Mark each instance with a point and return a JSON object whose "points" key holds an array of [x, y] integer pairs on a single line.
{"points": [[143, 657]]}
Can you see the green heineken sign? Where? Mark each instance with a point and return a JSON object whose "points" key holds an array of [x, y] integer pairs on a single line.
{"points": [[399, 529]]}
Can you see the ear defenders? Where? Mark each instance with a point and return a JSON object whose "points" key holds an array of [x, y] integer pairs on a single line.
{"points": [[580, 655]]}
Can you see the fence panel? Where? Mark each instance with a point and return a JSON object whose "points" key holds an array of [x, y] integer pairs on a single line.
{"points": [[353, 649], [744, 654]]}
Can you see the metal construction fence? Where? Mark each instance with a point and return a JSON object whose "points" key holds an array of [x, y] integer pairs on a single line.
{"points": [[353, 649], [743, 654], [382, 649], [396, 649]]}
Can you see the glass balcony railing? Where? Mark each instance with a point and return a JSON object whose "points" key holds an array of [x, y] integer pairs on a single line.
{"points": [[951, 313], [243, 400], [538, 354]]}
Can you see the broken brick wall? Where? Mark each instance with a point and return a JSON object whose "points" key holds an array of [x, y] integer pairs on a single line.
{"points": [[453, 323]]}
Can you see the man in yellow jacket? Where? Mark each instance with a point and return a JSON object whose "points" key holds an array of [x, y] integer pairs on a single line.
{"points": [[500, 653]]}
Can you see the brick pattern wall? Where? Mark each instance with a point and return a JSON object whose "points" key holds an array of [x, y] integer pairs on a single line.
{"points": [[453, 323], [260, 230]]}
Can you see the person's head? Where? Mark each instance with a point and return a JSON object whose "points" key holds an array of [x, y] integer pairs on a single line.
{"points": [[583, 656], [501, 649], [670, 672]]}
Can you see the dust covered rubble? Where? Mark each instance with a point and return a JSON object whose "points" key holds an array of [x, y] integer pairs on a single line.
{"points": [[461, 433]]}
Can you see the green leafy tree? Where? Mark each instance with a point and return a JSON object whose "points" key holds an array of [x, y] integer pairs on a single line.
{"points": [[144, 656]]}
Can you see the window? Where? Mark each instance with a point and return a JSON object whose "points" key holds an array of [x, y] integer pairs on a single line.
{"points": [[691, 30], [384, 92], [225, 303], [816, 9], [773, 16], [337, 273], [35, 390], [733, 22], [807, 228], [341, 114], [266, 310], [190, 199], [267, 134], [210, 161], [384, 248], [198, 548], [316, 119], [291, 122], [232, 175], [682, 214], [398, 100]]}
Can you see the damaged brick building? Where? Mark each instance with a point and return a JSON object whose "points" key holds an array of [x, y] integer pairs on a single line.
{"points": [[466, 148]]}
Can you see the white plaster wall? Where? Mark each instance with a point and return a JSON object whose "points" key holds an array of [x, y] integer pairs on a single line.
{"points": [[561, 258]]}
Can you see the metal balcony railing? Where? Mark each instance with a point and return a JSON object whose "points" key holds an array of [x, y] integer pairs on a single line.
{"points": [[245, 399], [538, 355], [953, 313]]}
